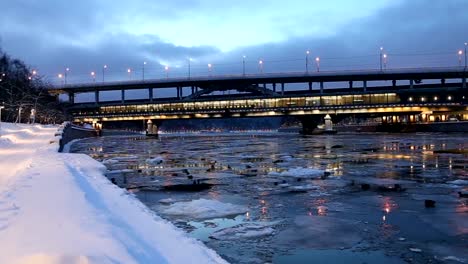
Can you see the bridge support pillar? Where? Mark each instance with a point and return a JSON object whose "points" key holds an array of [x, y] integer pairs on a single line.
{"points": [[193, 90], [71, 98], [96, 97], [150, 94], [123, 96], [393, 83], [282, 88], [464, 82], [350, 84], [321, 87], [364, 84], [442, 81], [152, 128], [411, 84], [310, 86], [274, 87]]}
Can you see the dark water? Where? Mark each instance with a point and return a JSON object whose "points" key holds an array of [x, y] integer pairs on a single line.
{"points": [[334, 220]]}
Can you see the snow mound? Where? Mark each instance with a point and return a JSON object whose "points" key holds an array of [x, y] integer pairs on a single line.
{"points": [[155, 161], [244, 231], [5, 142], [204, 209], [300, 173]]}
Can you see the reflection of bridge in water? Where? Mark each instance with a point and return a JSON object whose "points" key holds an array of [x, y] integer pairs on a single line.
{"points": [[392, 96]]}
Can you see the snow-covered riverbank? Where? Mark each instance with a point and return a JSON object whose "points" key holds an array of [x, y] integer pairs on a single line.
{"points": [[59, 208]]}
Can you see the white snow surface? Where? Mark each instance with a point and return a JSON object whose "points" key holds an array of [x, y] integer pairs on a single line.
{"points": [[204, 209], [59, 208], [300, 173]]}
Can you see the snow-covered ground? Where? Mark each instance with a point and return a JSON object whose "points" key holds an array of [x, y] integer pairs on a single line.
{"points": [[59, 208]]}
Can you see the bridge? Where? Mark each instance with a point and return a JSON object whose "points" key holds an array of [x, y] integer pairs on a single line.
{"points": [[392, 96]]}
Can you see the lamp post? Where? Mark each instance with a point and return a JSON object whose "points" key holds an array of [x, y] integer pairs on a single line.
{"points": [[385, 61], [307, 61], [144, 63], [381, 56], [93, 75], [189, 61], [1, 107], [167, 71], [60, 76], [460, 53], [466, 43], [209, 68], [260, 66], [104, 72], [317, 61], [243, 65], [129, 71], [66, 74]]}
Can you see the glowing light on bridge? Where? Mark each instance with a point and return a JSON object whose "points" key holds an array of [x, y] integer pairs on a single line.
{"points": [[93, 75], [317, 61], [260, 66]]}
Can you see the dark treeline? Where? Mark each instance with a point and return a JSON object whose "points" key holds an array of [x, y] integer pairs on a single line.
{"points": [[23, 91]]}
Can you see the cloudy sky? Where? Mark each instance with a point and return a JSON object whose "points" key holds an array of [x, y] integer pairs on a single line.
{"points": [[51, 35]]}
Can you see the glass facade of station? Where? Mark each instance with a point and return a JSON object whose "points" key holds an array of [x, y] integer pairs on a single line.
{"points": [[257, 103]]}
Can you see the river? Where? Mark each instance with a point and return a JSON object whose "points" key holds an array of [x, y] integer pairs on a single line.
{"points": [[287, 198]]}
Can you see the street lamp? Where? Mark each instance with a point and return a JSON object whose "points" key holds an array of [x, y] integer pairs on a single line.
{"points": [[60, 76], [1, 107], [243, 65], [93, 75], [317, 61], [66, 74], [381, 56], [144, 63], [466, 43], [385, 61], [260, 65], [307, 61], [129, 71], [209, 68], [189, 60], [460, 53], [104, 72], [167, 71]]}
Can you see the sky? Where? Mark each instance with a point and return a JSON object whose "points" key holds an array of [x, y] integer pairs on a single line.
{"points": [[52, 35]]}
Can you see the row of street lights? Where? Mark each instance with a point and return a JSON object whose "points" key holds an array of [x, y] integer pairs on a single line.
{"points": [[383, 59]]}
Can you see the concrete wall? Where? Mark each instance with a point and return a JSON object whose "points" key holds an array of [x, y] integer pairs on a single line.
{"points": [[72, 132]]}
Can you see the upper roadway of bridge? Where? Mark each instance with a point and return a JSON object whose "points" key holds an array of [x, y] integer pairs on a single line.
{"points": [[290, 77]]}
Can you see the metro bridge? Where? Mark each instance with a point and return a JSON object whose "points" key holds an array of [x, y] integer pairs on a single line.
{"points": [[393, 96]]}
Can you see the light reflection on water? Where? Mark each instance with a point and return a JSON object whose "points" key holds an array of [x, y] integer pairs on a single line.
{"points": [[340, 213]]}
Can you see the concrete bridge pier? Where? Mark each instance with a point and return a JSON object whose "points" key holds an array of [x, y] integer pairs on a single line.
{"points": [[152, 127], [71, 98]]}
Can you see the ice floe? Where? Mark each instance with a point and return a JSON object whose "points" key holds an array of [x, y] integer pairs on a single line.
{"points": [[300, 173], [204, 209], [246, 231]]}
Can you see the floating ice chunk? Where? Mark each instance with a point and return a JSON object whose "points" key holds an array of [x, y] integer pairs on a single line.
{"points": [[204, 209], [167, 201], [249, 230], [155, 161], [417, 250], [300, 173], [124, 158], [303, 188], [109, 161], [459, 182], [453, 258]]}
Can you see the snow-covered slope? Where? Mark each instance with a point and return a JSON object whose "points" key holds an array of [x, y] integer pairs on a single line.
{"points": [[59, 208]]}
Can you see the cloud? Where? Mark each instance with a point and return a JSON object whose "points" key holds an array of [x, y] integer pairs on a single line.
{"points": [[85, 35]]}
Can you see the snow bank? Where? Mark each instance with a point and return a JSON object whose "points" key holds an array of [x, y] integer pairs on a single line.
{"points": [[204, 209], [300, 173], [59, 208]]}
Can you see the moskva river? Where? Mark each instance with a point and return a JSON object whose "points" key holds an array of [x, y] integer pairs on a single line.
{"points": [[287, 198]]}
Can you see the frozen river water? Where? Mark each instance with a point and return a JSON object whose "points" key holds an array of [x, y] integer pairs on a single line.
{"points": [[286, 198]]}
